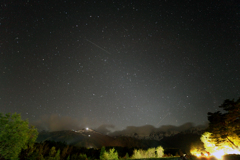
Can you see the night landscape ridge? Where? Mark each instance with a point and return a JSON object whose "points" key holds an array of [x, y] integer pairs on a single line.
{"points": [[143, 76]]}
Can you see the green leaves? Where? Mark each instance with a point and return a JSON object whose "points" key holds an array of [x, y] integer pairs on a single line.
{"points": [[15, 135], [150, 153], [111, 154]]}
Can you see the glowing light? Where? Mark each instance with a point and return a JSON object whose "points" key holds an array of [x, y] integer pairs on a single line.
{"points": [[205, 154], [87, 128], [218, 154], [198, 154], [211, 149]]}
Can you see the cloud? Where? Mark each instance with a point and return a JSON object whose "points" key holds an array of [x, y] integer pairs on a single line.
{"points": [[147, 129], [105, 128], [55, 122]]}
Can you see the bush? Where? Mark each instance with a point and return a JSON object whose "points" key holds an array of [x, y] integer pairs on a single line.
{"points": [[112, 154], [15, 135], [150, 153]]}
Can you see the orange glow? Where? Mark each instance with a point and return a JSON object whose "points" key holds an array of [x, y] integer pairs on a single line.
{"points": [[198, 154], [216, 151]]}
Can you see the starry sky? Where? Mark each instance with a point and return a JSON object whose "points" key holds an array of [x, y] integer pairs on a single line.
{"points": [[118, 62]]}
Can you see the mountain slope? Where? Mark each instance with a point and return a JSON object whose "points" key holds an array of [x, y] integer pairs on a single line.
{"points": [[159, 135], [83, 138], [92, 139], [89, 138]]}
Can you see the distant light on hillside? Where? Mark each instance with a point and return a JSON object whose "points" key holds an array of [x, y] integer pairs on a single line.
{"points": [[87, 128]]}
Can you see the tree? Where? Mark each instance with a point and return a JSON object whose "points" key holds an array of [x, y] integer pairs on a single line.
{"points": [[68, 158], [64, 152], [225, 127], [79, 157], [15, 135], [160, 151], [53, 154], [102, 152], [111, 154], [150, 153], [137, 154], [57, 155], [126, 156]]}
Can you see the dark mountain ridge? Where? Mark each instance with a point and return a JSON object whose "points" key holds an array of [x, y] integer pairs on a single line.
{"points": [[159, 135], [90, 138]]}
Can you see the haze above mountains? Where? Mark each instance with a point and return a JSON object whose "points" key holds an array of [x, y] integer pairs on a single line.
{"points": [[58, 123], [147, 136], [74, 132]]}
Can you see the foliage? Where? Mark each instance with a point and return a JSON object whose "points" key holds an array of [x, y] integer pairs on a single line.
{"points": [[57, 155], [126, 156], [64, 152], [159, 151], [225, 127], [82, 157], [197, 147], [103, 150], [209, 144], [15, 135], [150, 153], [35, 156], [53, 154], [138, 154], [50, 150], [68, 158], [111, 154], [79, 157], [216, 150]]}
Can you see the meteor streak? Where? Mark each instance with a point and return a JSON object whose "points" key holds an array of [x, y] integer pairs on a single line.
{"points": [[163, 119], [98, 46]]}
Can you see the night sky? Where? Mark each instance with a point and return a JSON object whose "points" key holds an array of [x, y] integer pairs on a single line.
{"points": [[118, 62]]}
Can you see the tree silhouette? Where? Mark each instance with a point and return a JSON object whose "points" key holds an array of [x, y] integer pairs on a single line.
{"points": [[225, 127], [15, 135]]}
